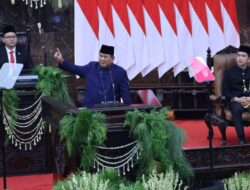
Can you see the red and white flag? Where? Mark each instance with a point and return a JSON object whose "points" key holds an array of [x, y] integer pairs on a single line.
{"points": [[150, 34], [184, 30], [124, 46], [106, 26], [215, 26], [230, 21], [153, 37], [199, 28], [169, 36], [86, 31], [138, 36]]}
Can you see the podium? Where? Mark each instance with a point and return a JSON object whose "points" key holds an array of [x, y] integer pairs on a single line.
{"points": [[27, 162], [117, 134], [8, 76]]}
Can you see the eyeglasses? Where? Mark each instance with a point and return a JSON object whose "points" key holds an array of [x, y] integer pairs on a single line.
{"points": [[9, 37]]}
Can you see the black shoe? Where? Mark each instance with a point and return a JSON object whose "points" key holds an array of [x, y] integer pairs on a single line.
{"points": [[243, 141]]}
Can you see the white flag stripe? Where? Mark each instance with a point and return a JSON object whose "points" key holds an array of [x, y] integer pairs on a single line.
{"points": [[199, 37], [232, 37], [184, 42], [124, 44], [216, 35], [105, 35], [86, 43], [140, 47], [171, 50], [154, 43]]}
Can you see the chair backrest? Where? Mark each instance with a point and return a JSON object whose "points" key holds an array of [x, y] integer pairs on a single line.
{"points": [[221, 62], [23, 39]]}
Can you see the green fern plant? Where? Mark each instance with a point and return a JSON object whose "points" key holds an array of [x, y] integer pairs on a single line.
{"points": [[52, 82], [82, 133], [161, 142], [10, 103]]}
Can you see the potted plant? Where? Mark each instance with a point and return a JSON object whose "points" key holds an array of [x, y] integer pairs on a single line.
{"points": [[161, 142]]}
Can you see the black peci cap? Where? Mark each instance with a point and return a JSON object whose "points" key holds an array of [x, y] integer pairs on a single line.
{"points": [[107, 49], [9, 28], [244, 48]]}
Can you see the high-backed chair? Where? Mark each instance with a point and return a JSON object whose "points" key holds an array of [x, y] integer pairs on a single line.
{"points": [[23, 39], [220, 115]]}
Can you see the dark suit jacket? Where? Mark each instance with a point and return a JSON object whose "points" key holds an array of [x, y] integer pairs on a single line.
{"points": [[102, 85], [22, 56], [232, 84]]}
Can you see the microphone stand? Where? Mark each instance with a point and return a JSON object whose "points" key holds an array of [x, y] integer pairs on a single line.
{"points": [[113, 86], [210, 129], [208, 119], [2, 138], [44, 48]]}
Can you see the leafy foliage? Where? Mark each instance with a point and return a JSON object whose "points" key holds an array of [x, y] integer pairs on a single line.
{"points": [[10, 102], [170, 181], [109, 180], [82, 181], [52, 82], [161, 142], [239, 181], [82, 133]]}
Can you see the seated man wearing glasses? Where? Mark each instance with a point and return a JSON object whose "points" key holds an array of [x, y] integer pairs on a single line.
{"points": [[10, 52]]}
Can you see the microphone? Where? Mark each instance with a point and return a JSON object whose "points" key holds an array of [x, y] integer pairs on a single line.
{"points": [[104, 92], [113, 85], [39, 25]]}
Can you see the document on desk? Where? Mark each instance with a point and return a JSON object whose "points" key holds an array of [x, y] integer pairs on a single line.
{"points": [[9, 74]]}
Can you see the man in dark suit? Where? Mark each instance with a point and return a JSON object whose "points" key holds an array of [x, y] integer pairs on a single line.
{"points": [[106, 82], [236, 89], [10, 52]]}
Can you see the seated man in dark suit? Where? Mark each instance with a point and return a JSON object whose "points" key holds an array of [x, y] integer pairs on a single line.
{"points": [[236, 89], [105, 81], [10, 52]]}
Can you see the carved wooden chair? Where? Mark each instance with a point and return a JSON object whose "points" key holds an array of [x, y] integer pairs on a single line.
{"points": [[23, 39], [219, 114]]}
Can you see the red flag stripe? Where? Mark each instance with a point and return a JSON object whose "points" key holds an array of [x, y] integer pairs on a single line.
{"points": [[167, 7], [152, 8], [136, 8], [215, 7], [121, 8], [200, 9], [89, 9], [105, 8], [231, 9], [183, 7]]}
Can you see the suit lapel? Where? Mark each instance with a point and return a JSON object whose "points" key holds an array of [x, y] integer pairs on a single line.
{"points": [[18, 55], [5, 56]]}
